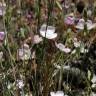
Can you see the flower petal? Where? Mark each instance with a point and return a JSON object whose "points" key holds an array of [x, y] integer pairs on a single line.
{"points": [[69, 20], [58, 93], [48, 33], [62, 47], [2, 35]]}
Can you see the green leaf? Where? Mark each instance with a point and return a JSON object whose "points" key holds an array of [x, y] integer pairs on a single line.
{"points": [[59, 5]]}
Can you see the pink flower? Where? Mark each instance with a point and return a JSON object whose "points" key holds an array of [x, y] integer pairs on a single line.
{"points": [[37, 39], [2, 35], [69, 20]]}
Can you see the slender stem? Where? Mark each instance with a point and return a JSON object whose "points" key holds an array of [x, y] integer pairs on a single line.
{"points": [[39, 15]]}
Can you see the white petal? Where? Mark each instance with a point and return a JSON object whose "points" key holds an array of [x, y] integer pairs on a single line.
{"points": [[49, 32], [90, 27], [20, 84], [48, 35], [58, 93], [57, 66], [93, 94], [82, 21], [51, 29], [26, 46], [64, 67], [93, 85], [33, 55], [80, 27], [80, 24], [83, 50], [9, 86], [51, 36], [89, 23], [60, 46], [89, 13], [94, 79], [52, 94], [67, 50], [77, 44], [75, 39]]}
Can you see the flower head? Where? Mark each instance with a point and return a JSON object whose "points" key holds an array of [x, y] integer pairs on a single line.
{"points": [[69, 20], [2, 35], [48, 32], [37, 39], [81, 23], [20, 84]]}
